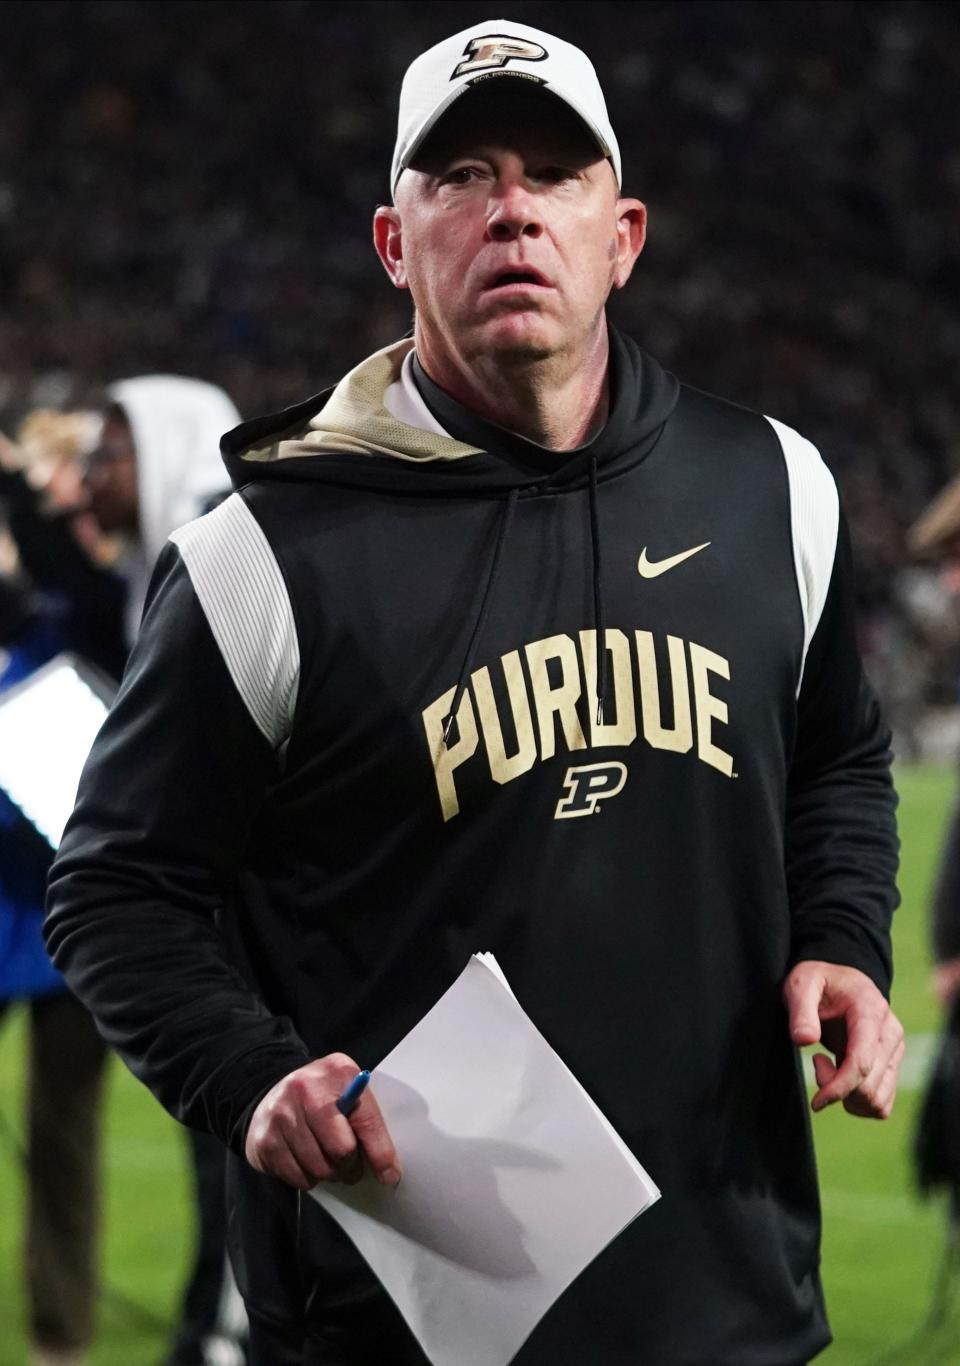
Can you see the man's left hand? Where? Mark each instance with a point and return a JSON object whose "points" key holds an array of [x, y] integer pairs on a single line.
{"points": [[841, 1007]]}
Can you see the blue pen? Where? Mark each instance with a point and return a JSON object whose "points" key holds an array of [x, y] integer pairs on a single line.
{"points": [[350, 1099]]}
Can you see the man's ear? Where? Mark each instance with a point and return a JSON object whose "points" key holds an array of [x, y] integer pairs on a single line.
{"points": [[631, 235], [388, 240]]}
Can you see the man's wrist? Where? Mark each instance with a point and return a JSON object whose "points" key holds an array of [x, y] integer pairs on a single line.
{"points": [[257, 1083], [843, 950]]}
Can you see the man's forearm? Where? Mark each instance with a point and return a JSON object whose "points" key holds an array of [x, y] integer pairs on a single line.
{"points": [[841, 847], [164, 812], [164, 996]]}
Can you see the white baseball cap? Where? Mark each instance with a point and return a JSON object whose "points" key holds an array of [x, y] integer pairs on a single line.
{"points": [[497, 49]]}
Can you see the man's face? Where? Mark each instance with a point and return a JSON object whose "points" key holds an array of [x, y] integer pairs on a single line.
{"points": [[110, 476], [508, 230]]}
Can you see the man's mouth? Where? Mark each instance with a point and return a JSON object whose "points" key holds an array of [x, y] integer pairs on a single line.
{"points": [[516, 279]]}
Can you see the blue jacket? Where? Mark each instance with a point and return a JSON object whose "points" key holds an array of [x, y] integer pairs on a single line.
{"points": [[25, 857]]}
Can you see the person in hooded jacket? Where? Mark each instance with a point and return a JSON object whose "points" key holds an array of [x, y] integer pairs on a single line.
{"points": [[511, 642], [151, 466], [156, 467]]}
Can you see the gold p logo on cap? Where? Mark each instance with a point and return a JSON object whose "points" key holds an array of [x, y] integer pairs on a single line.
{"points": [[496, 49]]}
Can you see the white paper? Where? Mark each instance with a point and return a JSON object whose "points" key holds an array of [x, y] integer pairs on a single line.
{"points": [[513, 1181]]}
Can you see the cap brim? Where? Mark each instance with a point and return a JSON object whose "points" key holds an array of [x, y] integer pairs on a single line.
{"points": [[406, 156]]}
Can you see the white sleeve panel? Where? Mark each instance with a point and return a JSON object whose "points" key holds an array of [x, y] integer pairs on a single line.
{"points": [[239, 585], [814, 525]]}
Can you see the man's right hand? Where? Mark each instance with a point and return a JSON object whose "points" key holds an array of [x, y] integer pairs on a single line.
{"points": [[298, 1135]]}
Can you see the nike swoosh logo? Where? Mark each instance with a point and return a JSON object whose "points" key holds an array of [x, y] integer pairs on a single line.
{"points": [[648, 569]]}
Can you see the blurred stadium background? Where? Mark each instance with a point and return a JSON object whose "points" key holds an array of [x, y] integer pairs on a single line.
{"points": [[187, 187]]}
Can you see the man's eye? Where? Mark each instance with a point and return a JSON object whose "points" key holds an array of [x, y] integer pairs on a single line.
{"points": [[460, 175], [554, 174]]}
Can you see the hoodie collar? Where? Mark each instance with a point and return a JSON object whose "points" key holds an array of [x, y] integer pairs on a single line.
{"points": [[467, 426], [349, 436]]}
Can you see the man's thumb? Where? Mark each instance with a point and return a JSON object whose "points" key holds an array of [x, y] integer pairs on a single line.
{"points": [[802, 993]]}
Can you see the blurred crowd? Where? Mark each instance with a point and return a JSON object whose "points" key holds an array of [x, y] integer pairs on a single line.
{"points": [[187, 187]]}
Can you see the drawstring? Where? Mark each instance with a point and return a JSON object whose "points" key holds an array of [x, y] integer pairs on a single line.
{"points": [[599, 631], [505, 520], [598, 624]]}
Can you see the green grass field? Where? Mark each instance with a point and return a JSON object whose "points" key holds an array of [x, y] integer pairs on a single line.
{"points": [[881, 1246]]}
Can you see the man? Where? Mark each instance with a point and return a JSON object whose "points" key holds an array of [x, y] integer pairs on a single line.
{"points": [[368, 730]]}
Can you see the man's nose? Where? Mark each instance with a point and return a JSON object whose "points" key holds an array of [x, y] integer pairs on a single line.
{"points": [[514, 213]]}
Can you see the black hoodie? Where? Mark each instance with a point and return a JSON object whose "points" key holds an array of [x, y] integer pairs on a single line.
{"points": [[365, 734]]}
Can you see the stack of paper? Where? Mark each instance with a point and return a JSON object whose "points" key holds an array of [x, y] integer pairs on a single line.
{"points": [[513, 1180]]}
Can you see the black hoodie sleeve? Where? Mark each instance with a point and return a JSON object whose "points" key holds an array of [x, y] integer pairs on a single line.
{"points": [[163, 813], [841, 837]]}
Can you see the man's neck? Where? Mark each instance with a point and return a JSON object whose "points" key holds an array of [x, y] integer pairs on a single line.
{"points": [[560, 403]]}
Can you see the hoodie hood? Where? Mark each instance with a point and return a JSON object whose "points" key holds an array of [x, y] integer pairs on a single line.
{"points": [[349, 435], [176, 425]]}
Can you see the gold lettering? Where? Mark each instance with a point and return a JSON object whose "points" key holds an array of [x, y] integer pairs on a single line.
{"points": [[680, 738], [623, 731], [560, 701], [445, 760], [503, 767], [709, 708]]}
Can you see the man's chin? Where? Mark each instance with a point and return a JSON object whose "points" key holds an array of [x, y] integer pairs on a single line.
{"points": [[517, 336]]}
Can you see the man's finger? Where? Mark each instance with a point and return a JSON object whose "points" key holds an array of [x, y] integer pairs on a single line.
{"points": [[284, 1166], [893, 1066], [371, 1131], [824, 1069], [332, 1133], [889, 1054], [802, 993], [862, 1047], [310, 1156], [888, 1087], [874, 1099], [277, 1157], [864, 1100], [887, 1090]]}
